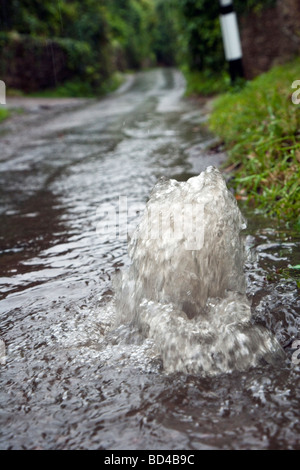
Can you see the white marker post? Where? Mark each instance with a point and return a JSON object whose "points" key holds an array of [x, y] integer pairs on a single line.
{"points": [[231, 39]]}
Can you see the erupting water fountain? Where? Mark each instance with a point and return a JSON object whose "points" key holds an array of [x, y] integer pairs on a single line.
{"points": [[185, 288]]}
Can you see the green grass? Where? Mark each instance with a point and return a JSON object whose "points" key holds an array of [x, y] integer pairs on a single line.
{"points": [[260, 127], [205, 83], [4, 113]]}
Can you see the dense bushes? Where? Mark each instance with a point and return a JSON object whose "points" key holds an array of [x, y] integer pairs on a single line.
{"points": [[88, 41]]}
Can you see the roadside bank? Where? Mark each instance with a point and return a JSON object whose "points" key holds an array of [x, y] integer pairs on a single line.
{"points": [[259, 127]]}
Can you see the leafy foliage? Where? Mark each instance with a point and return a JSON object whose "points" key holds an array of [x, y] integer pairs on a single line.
{"points": [[115, 35], [166, 33]]}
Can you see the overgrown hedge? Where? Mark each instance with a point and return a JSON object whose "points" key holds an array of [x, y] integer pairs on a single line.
{"points": [[85, 41]]}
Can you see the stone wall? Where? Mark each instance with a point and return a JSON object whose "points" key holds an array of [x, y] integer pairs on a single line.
{"points": [[31, 65], [270, 37]]}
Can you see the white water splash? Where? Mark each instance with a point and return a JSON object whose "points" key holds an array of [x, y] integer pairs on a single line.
{"points": [[185, 288]]}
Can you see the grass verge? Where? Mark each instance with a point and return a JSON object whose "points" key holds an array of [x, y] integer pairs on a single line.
{"points": [[4, 113], [204, 82], [260, 128]]}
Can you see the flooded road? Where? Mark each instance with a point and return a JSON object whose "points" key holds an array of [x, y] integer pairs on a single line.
{"points": [[68, 378]]}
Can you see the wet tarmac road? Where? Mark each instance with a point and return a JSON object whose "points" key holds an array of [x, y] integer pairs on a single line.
{"points": [[68, 379]]}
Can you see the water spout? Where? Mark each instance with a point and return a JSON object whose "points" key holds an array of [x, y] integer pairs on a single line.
{"points": [[185, 288]]}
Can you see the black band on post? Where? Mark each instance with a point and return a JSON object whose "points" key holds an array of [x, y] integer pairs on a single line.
{"points": [[235, 69], [226, 10]]}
